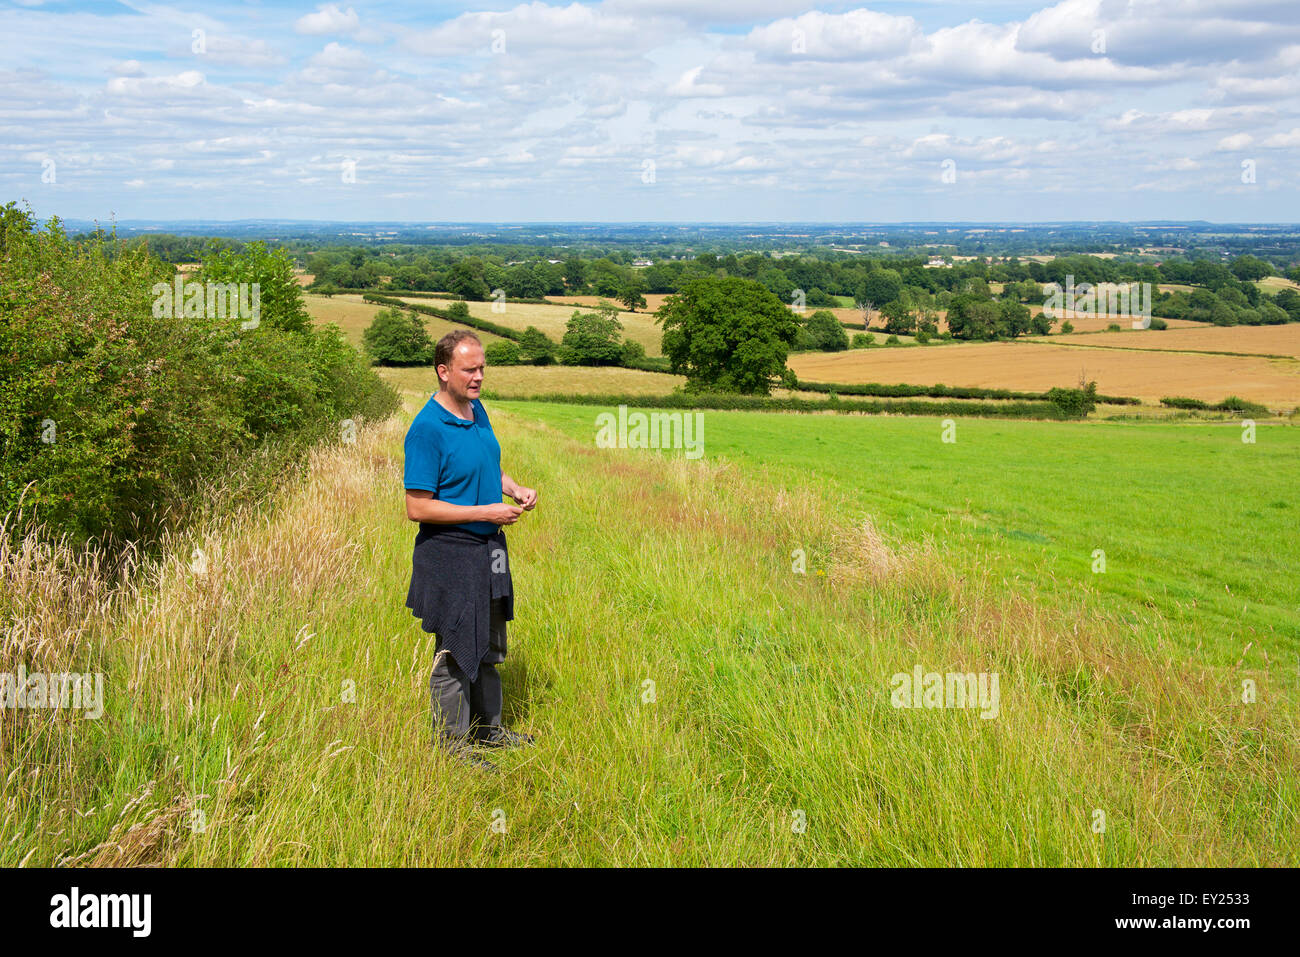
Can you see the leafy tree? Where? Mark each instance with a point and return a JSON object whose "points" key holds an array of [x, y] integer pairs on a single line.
{"points": [[825, 333], [1289, 301], [280, 295], [16, 221], [970, 317], [881, 286], [632, 352], [728, 335], [606, 278], [898, 316], [778, 282], [631, 293], [592, 338], [408, 277], [1013, 318], [575, 274], [536, 347], [523, 283], [467, 282], [1076, 403], [1250, 268], [396, 338], [503, 353]]}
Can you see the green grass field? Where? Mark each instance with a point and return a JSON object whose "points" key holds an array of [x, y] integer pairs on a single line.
{"points": [[696, 700], [1193, 522]]}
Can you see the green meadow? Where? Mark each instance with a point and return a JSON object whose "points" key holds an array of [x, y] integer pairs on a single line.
{"points": [[709, 653], [1197, 529]]}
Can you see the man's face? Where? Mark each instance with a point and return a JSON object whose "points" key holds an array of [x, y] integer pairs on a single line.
{"points": [[465, 376]]}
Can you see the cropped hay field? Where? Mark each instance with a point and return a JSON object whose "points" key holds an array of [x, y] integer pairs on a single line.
{"points": [[572, 380], [353, 314], [851, 319], [1037, 366], [1259, 340], [553, 320], [546, 380], [653, 300], [1275, 284]]}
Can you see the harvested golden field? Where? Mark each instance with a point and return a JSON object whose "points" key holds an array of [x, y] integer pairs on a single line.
{"points": [[851, 319], [1033, 366], [353, 315], [1099, 323], [653, 300], [1275, 284], [575, 380], [1197, 337], [545, 380], [552, 320]]}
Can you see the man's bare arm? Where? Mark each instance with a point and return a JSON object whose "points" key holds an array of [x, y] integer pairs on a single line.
{"points": [[525, 496], [421, 506]]}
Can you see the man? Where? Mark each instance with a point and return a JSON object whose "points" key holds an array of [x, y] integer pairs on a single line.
{"points": [[461, 587]]}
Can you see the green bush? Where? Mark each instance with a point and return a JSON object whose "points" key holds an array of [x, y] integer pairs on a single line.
{"points": [[592, 339], [1183, 402], [1074, 403], [396, 338], [860, 340], [538, 349], [1234, 404], [892, 341], [734, 401], [503, 353], [1159, 324], [632, 352], [1231, 404], [113, 418], [824, 332]]}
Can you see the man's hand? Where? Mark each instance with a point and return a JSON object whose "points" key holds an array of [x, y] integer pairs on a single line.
{"points": [[527, 497], [501, 513]]}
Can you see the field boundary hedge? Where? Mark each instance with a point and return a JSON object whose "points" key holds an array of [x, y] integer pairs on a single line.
{"points": [[904, 390], [1231, 404], [1012, 410]]}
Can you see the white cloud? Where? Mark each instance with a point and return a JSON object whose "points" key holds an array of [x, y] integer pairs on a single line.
{"points": [[686, 85], [328, 19], [1237, 141], [1283, 140], [155, 85]]}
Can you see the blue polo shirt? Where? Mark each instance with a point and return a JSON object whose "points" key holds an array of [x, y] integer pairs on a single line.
{"points": [[456, 459]]}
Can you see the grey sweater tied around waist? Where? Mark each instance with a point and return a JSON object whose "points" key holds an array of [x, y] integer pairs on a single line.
{"points": [[455, 575]]}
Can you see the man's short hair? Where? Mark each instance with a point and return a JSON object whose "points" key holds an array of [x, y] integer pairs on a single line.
{"points": [[446, 346]]}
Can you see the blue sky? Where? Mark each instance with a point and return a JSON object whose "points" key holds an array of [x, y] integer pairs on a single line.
{"points": [[644, 110]]}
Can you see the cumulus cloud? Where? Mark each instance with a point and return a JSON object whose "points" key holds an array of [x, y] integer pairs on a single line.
{"points": [[569, 99], [328, 19]]}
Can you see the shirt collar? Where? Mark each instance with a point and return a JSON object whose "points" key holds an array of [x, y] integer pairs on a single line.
{"points": [[451, 417]]}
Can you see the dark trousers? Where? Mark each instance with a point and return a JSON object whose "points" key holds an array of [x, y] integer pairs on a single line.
{"points": [[462, 709]]}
